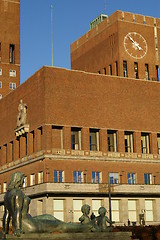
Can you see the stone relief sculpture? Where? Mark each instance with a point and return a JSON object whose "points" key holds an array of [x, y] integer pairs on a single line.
{"points": [[22, 114], [16, 205]]}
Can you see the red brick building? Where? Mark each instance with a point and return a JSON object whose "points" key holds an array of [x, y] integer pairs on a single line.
{"points": [[90, 126], [9, 46]]}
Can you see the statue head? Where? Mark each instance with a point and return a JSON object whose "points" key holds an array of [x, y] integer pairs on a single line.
{"points": [[102, 211], [85, 209], [16, 180]]}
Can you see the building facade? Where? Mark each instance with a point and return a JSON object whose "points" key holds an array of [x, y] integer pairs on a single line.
{"points": [[9, 46], [124, 44], [85, 129]]}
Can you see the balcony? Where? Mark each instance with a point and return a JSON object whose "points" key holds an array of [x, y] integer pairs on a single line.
{"points": [[90, 189]]}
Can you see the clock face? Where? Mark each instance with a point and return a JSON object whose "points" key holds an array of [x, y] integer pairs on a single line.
{"points": [[135, 45]]}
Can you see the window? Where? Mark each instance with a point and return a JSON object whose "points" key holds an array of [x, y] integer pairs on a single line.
{"points": [[33, 140], [131, 178], [0, 84], [115, 210], [58, 209], [125, 73], [11, 53], [136, 70], [25, 182], [40, 177], [96, 177], [40, 207], [76, 138], [147, 178], [0, 96], [77, 176], [12, 85], [58, 176], [77, 204], [94, 139], [0, 71], [105, 72], [157, 72], [158, 143], [146, 71], [110, 69], [96, 204], [114, 178], [132, 210], [149, 210], [32, 179], [12, 73], [12, 150], [4, 187], [112, 140], [129, 147], [145, 142], [26, 144], [116, 68]]}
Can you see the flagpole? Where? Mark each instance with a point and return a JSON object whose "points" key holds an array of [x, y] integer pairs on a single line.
{"points": [[52, 30]]}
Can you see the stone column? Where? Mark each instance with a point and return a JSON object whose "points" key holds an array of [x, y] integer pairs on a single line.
{"points": [[103, 140], [22, 146], [69, 210], [120, 141], [124, 210], [85, 139], [30, 143], [137, 142], [140, 206], [67, 138], [47, 138], [153, 143], [3, 155], [47, 206], [10, 152], [16, 145]]}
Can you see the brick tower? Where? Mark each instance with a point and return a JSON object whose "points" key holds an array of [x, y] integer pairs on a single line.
{"points": [[9, 46]]}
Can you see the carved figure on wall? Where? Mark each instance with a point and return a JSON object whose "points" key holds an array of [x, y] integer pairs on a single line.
{"points": [[102, 219], [16, 205], [85, 210], [22, 114]]}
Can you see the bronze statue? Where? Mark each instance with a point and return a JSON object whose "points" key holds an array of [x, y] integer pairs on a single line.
{"points": [[16, 205], [85, 210], [102, 220]]}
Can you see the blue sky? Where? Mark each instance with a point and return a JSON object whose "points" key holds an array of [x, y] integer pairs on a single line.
{"points": [[71, 19]]}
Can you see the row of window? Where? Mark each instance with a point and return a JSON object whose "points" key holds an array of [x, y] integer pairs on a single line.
{"points": [[125, 70], [11, 53], [112, 141], [96, 177], [133, 208], [130, 145], [12, 85], [136, 71], [81, 177], [12, 73], [133, 212]]}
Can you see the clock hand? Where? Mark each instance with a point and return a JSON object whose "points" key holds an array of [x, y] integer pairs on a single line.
{"points": [[135, 43]]}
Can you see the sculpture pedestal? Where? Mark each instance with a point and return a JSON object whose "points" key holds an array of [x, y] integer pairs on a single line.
{"points": [[74, 236]]}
